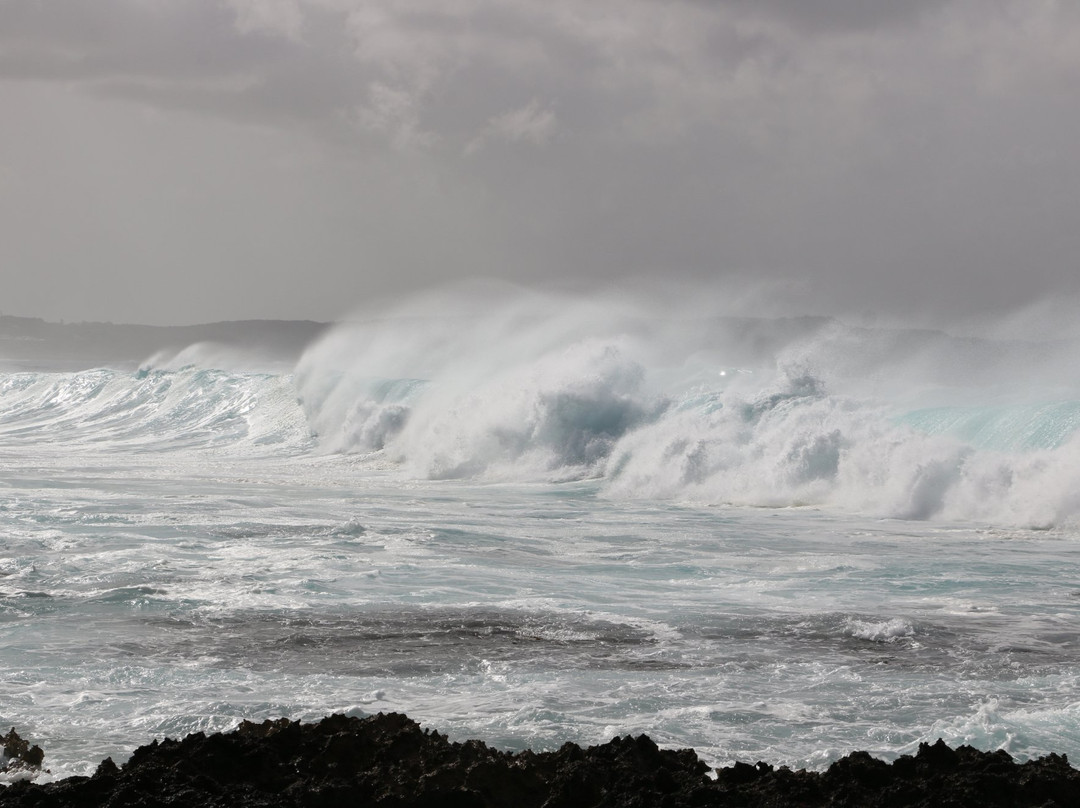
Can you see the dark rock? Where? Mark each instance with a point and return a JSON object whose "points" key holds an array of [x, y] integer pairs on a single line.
{"points": [[107, 768], [938, 757], [20, 753], [388, 760]]}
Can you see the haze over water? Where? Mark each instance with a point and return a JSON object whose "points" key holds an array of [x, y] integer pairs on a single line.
{"points": [[534, 519]]}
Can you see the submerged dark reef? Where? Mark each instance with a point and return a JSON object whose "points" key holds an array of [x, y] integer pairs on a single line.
{"points": [[388, 760]]}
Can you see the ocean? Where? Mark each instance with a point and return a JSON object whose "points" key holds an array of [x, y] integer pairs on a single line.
{"points": [[540, 521]]}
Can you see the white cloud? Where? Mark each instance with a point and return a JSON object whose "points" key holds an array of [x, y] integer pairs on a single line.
{"points": [[531, 123], [394, 112]]}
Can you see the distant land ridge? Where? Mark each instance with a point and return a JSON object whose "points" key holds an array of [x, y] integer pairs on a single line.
{"points": [[81, 345]]}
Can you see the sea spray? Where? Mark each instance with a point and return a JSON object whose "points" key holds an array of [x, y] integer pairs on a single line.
{"points": [[722, 410], [180, 552], [513, 388]]}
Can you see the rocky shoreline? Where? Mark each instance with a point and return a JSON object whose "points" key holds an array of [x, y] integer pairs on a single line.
{"points": [[389, 760]]}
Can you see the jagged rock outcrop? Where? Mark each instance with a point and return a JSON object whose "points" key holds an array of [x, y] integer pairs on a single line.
{"points": [[17, 756], [388, 760]]}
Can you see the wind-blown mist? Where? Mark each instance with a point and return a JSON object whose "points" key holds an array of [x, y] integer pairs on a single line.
{"points": [[708, 409]]}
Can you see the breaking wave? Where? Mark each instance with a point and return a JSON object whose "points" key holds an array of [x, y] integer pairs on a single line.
{"points": [[913, 425], [655, 406], [151, 411]]}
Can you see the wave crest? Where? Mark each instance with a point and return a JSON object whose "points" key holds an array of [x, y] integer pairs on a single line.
{"points": [[718, 411]]}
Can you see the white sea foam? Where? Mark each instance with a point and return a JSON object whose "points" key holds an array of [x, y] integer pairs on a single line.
{"points": [[887, 631], [912, 425], [536, 388], [525, 524]]}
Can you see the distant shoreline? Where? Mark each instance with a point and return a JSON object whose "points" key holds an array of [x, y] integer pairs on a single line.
{"points": [[35, 344]]}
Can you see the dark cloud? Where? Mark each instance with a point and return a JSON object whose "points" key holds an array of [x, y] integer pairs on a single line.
{"points": [[180, 55], [841, 15], [912, 156], [119, 38]]}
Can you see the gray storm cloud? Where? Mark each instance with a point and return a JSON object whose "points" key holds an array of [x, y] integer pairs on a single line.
{"points": [[181, 161]]}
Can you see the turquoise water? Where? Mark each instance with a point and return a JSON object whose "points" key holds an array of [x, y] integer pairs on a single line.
{"points": [[1003, 428]]}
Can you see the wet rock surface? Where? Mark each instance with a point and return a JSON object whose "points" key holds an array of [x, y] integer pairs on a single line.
{"points": [[388, 760], [17, 756]]}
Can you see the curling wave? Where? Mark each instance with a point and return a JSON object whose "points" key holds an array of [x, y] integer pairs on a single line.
{"points": [[152, 411]]}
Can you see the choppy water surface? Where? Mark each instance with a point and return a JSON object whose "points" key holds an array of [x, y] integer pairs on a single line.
{"points": [[573, 545]]}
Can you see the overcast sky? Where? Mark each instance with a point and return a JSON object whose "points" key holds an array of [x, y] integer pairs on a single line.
{"points": [[180, 161]]}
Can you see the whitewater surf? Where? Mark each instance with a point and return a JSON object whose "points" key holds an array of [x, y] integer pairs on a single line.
{"points": [[534, 520]]}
